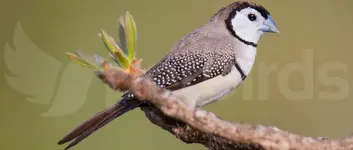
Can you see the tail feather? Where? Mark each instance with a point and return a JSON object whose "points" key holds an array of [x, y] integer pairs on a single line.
{"points": [[98, 121]]}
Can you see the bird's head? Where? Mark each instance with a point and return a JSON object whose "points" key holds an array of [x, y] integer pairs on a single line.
{"points": [[247, 20]]}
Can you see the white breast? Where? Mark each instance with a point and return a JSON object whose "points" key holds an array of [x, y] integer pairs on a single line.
{"points": [[210, 90], [214, 89]]}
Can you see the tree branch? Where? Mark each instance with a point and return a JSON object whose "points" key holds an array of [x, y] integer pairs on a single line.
{"points": [[194, 125]]}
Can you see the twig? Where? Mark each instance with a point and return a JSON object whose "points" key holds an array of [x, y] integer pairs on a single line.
{"points": [[193, 125]]}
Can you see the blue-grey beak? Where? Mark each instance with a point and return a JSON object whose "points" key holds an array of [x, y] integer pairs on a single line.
{"points": [[269, 26]]}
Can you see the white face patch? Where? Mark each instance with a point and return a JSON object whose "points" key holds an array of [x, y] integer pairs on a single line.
{"points": [[245, 28]]}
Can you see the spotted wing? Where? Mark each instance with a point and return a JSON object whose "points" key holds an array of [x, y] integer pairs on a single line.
{"points": [[186, 69], [196, 58]]}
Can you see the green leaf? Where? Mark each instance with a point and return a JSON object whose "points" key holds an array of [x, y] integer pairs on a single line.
{"points": [[108, 43], [122, 35], [130, 30], [115, 50], [122, 59], [80, 61]]}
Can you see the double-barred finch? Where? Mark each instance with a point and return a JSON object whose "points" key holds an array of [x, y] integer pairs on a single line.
{"points": [[204, 66]]}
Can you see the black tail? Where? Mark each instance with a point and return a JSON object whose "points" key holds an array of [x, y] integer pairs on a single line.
{"points": [[98, 121]]}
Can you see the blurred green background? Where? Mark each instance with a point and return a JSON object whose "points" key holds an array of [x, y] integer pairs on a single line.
{"points": [[43, 96]]}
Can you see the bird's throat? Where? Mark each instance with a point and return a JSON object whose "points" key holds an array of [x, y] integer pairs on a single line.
{"points": [[246, 58]]}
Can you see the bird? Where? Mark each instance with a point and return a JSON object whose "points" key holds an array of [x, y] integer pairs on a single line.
{"points": [[203, 66]]}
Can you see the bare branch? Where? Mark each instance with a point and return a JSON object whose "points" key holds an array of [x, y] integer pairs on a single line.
{"points": [[193, 125]]}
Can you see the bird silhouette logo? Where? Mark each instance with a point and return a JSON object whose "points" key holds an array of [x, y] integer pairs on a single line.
{"points": [[44, 80]]}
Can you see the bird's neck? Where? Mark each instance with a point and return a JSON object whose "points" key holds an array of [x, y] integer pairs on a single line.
{"points": [[249, 36], [246, 58]]}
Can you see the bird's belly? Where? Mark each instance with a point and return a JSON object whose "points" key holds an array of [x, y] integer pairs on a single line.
{"points": [[210, 90]]}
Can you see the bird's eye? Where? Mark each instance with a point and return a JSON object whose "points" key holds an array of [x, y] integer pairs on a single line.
{"points": [[252, 17]]}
